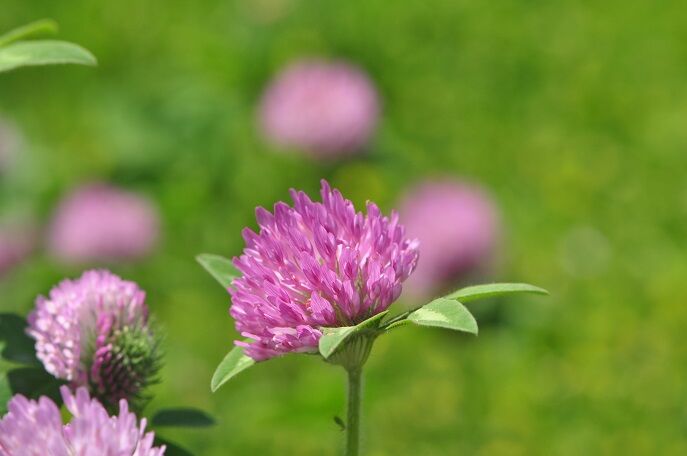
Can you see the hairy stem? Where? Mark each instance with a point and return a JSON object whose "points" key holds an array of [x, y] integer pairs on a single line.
{"points": [[398, 318], [353, 421]]}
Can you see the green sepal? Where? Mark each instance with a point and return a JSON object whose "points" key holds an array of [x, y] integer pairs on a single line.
{"points": [[332, 338]]}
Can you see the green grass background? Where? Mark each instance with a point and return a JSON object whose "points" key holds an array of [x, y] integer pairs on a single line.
{"points": [[573, 113]]}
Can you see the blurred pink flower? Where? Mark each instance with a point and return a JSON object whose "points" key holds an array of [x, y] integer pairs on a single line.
{"points": [[94, 332], [458, 227], [32, 428], [17, 241], [103, 223], [316, 265], [328, 109]]}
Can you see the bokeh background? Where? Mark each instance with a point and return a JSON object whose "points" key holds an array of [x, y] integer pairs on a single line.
{"points": [[571, 114]]}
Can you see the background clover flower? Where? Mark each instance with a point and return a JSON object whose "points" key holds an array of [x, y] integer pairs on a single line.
{"points": [[94, 332], [325, 108], [316, 265], [458, 226], [100, 222], [35, 428]]}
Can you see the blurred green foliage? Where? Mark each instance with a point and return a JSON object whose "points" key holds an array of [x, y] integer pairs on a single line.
{"points": [[572, 112]]}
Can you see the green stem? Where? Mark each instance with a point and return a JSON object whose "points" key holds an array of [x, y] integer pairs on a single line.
{"points": [[353, 422], [398, 318]]}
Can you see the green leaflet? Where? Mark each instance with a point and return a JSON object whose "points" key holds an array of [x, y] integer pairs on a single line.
{"points": [[235, 362], [43, 52], [445, 313], [475, 292], [219, 267]]}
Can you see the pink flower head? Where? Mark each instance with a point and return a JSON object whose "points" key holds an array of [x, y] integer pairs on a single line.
{"points": [[32, 428], [94, 332], [316, 265], [17, 241], [327, 109], [458, 226], [100, 222]]}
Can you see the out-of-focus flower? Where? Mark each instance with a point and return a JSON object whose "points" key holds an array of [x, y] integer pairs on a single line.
{"points": [[94, 332], [458, 227], [10, 142], [103, 223], [35, 428], [327, 109], [316, 265], [17, 241]]}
